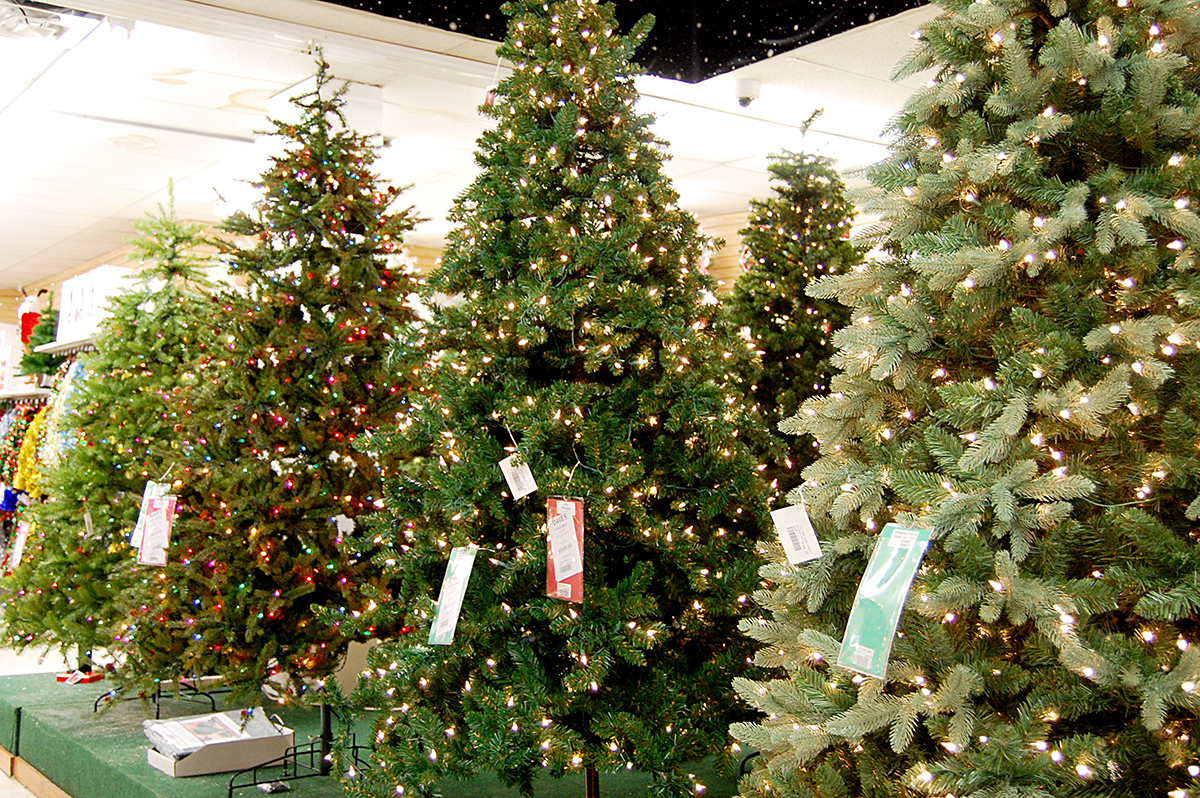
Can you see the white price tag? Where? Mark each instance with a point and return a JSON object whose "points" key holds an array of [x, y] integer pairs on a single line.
{"points": [[564, 546], [902, 538], [87, 524], [17, 550], [519, 477], [153, 490], [863, 657], [796, 533], [156, 535]]}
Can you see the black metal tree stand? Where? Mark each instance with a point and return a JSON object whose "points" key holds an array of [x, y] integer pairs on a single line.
{"points": [[314, 758]]}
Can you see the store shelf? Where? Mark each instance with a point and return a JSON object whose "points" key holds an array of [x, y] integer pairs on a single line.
{"points": [[66, 347], [24, 393]]}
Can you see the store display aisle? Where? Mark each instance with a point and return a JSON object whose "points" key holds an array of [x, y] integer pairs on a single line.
{"points": [[53, 732], [12, 663], [64, 750]]}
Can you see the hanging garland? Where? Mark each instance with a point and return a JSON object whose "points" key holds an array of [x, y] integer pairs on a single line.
{"points": [[28, 476]]}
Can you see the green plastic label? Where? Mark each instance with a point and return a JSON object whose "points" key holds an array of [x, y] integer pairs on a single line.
{"points": [[454, 587], [867, 644]]}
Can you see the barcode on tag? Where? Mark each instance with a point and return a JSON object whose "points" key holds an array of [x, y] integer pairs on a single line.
{"points": [[863, 656], [564, 590], [795, 534], [519, 478]]}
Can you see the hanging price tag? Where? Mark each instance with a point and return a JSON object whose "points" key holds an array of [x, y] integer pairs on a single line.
{"points": [[454, 587], [519, 477], [87, 524], [153, 490], [875, 614], [564, 556], [156, 533], [17, 550], [796, 533]]}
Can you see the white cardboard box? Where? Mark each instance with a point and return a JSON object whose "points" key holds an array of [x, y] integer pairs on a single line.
{"points": [[222, 757]]}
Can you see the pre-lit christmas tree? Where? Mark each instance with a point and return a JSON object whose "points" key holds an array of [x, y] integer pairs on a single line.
{"points": [[1021, 377], [583, 346], [119, 430], [266, 473], [792, 239]]}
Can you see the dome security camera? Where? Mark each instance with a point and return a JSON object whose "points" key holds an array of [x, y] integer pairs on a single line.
{"points": [[747, 91]]}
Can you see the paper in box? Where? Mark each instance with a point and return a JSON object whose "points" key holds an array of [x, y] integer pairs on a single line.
{"points": [[217, 742]]}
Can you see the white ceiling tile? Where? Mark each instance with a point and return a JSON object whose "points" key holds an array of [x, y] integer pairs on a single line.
{"points": [[192, 81]]}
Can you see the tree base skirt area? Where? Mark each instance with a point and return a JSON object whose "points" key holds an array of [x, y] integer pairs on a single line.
{"points": [[53, 742]]}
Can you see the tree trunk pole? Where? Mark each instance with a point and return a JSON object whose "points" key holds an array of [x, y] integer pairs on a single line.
{"points": [[591, 783], [326, 739]]}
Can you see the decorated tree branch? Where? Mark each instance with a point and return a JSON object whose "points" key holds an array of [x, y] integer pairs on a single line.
{"points": [[1013, 426], [791, 240], [579, 350], [266, 474], [116, 434]]}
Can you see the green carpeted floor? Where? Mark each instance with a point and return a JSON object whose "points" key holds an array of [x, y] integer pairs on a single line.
{"points": [[52, 727]]}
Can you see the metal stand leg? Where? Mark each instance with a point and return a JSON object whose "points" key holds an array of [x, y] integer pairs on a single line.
{"points": [[326, 739]]}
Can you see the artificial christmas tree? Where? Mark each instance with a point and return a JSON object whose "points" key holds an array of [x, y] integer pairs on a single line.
{"points": [[792, 239], [583, 349], [1020, 378], [266, 476], [45, 331], [120, 428]]}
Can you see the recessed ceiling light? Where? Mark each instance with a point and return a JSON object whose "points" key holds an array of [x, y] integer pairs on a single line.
{"points": [[131, 142]]}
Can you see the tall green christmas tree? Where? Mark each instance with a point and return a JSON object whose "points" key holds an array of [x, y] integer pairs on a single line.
{"points": [[266, 474], [582, 348], [118, 432], [1021, 377], [792, 239]]}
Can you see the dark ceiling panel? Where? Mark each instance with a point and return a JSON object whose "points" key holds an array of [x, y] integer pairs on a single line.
{"points": [[691, 40]]}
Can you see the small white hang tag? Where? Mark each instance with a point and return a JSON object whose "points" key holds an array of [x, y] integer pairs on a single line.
{"points": [[454, 587], [344, 525], [519, 477], [156, 535], [87, 524], [153, 490], [17, 550], [796, 533]]}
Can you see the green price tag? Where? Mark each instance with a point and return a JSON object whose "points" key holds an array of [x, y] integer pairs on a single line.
{"points": [[867, 644], [454, 587]]}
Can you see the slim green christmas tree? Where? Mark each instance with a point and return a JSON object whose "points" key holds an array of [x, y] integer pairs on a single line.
{"points": [[1021, 377], [120, 427], [583, 348], [266, 473], [792, 239], [44, 332]]}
